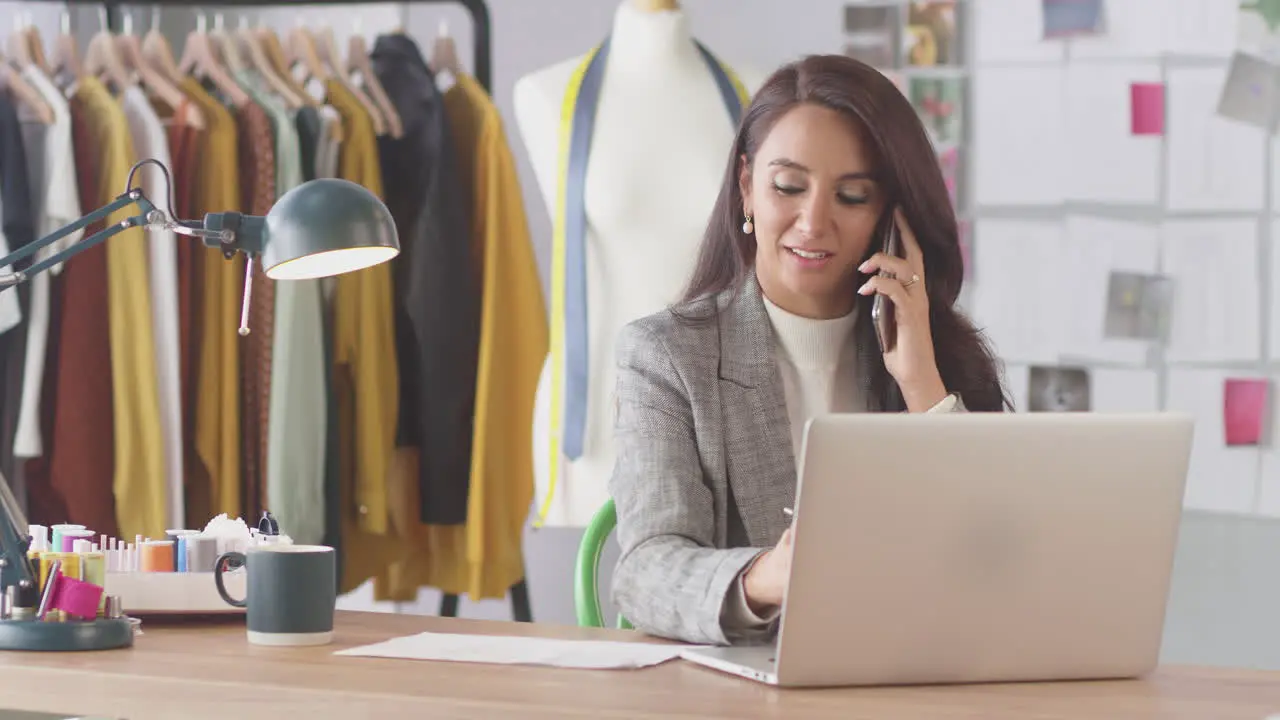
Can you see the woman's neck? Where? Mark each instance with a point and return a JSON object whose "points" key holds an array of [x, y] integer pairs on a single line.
{"points": [[646, 37]]}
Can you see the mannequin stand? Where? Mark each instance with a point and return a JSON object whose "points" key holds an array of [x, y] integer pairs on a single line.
{"points": [[74, 636]]}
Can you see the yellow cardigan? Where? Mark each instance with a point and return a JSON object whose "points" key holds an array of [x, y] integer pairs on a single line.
{"points": [[367, 380], [483, 557], [217, 417], [139, 477]]}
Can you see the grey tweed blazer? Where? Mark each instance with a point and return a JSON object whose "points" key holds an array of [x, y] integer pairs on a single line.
{"points": [[704, 460]]}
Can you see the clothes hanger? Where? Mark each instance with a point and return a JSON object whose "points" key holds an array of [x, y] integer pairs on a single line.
{"points": [[328, 47], [157, 52], [102, 58], [358, 56], [444, 53], [153, 81], [274, 52], [19, 46], [302, 47], [199, 59], [67, 56], [24, 92], [226, 47], [258, 59]]}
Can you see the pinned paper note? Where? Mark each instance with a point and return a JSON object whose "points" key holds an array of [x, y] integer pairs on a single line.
{"points": [[1244, 407], [873, 33], [1138, 306], [939, 101], [1067, 18], [931, 37], [1258, 28], [1058, 389], [1147, 108], [1251, 93]]}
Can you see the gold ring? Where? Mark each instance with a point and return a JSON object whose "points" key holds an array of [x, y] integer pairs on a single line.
{"points": [[914, 279]]}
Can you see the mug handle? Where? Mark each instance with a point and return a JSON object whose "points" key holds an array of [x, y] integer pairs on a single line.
{"points": [[228, 561]]}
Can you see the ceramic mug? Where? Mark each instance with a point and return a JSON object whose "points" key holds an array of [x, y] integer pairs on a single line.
{"points": [[292, 592]]}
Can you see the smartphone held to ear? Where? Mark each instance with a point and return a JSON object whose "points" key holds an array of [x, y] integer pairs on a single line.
{"points": [[882, 310]]}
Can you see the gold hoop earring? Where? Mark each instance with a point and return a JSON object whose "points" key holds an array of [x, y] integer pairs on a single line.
{"points": [[747, 226]]}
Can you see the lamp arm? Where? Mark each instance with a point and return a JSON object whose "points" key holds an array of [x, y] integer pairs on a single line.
{"points": [[15, 568], [101, 213]]}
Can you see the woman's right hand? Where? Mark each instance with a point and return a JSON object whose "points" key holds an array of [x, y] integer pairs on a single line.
{"points": [[766, 579]]}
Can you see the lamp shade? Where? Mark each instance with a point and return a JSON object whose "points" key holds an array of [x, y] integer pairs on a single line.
{"points": [[327, 227]]}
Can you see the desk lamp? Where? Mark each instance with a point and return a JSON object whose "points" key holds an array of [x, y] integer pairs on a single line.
{"points": [[321, 228]]}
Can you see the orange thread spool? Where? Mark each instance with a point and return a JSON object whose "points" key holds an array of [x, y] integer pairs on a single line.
{"points": [[156, 556]]}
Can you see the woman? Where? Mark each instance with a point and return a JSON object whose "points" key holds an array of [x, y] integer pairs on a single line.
{"points": [[775, 327]]}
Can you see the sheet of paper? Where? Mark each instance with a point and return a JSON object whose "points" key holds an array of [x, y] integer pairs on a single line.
{"points": [[1199, 28], [1099, 126], [1071, 18], [1116, 390], [1132, 32], [1216, 305], [516, 650], [1019, 136], [1273, 343], [1111, 390], [1146, 100], [1058, 389], [1269, 482], [1213, 163], [1251, 93], [1244, 409], [1094, 248], [1219, 477], [1016, 297], [1011, 31]]}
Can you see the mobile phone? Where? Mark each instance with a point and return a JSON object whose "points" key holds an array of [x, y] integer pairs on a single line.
{"points": [[882, 314]]}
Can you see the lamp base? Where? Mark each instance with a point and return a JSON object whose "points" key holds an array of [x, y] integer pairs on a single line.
{"points": [[74, 636]]}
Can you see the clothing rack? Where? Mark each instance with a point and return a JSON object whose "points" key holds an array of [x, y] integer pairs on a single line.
{"points": [[483, 63], [478, 9]]}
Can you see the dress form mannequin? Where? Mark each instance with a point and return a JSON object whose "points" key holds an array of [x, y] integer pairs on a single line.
{"points": [[661, 139]]}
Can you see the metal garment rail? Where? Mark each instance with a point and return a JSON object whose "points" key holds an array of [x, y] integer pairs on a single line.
{"points": [[482, 42]]}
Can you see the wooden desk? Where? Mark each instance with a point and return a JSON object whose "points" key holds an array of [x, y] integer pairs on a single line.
{"points": [[210, 671]]}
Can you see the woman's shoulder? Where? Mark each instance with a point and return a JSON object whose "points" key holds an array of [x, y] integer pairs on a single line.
{"points": [[682, 332]]}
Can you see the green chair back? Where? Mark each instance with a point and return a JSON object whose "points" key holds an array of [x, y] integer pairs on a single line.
{"points": [[586, 574]]}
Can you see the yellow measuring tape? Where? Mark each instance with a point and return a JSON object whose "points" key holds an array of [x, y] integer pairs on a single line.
{"points": [[569, 365]]}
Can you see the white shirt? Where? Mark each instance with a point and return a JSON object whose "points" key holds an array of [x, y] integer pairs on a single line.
{"points": [[817, 362], [58, 205]]}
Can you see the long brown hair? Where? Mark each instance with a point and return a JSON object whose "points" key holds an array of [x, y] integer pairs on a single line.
{"points": [[908, 171]]}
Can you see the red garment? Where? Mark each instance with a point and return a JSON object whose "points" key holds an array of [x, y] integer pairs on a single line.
{"points": [[80, 450]]}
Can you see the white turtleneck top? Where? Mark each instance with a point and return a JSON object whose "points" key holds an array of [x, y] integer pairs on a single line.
{"points": [[816, 359]]}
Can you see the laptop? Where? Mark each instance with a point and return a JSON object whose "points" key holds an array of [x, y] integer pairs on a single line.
{"points": [[976, 547]]}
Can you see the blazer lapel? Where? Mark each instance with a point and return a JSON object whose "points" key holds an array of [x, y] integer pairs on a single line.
{"points": [[759, 459]]}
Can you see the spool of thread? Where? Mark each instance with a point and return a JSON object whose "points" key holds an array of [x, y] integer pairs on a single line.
{"points": [[179, 554], [56, 543], [201, 552], [156, 556], [70, 537], [112, 607], [39, 539], [93, 566], [70, 566]]}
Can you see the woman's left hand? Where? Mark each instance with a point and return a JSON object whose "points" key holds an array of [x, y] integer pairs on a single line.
{"points": [[911, 362]]}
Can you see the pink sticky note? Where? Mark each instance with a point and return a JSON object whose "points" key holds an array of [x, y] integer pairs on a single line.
{"points": [[1244, 403], [1147, 101]]}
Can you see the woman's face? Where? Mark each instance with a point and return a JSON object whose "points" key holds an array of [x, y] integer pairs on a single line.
{"points": [[815, 208]]}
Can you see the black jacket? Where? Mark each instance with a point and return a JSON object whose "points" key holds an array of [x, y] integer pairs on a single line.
{"points": [[436, 285]]}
